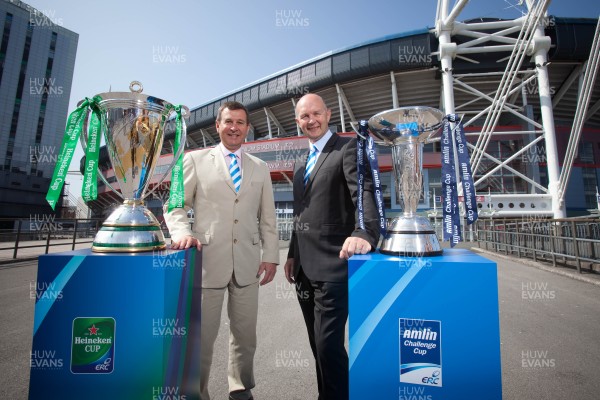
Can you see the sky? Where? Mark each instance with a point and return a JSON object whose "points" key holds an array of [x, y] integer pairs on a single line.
{"points": [[192, 51]]}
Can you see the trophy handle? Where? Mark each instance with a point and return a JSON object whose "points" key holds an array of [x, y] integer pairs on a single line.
{"points": [[182, 142], [436, 136], [359, 134], [376, 140], [83, 139]]}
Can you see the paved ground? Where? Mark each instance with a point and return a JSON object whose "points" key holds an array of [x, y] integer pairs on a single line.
{"points": [[549, 333]]}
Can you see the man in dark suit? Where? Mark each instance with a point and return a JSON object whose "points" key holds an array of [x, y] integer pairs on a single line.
{"points": [[326, 234]]}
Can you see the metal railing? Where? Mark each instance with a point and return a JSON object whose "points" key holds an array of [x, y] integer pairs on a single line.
{"points": [[468, 232], [560, 241], [43, 232]]}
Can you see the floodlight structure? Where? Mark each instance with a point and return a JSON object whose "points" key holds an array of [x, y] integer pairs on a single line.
{"points": [[522, 37]]}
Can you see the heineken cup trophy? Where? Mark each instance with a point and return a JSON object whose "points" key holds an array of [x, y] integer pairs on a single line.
{"points": [[133, 126], [406, 130]]}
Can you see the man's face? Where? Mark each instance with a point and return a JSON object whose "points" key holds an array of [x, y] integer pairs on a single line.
{"points": [[313, 117], [233, 128]]}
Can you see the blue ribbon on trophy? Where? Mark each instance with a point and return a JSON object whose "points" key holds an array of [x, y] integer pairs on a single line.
{"points": [[366, 146], [451, 213]]}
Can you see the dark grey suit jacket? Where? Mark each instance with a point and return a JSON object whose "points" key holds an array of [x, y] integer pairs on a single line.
{"points": [[325, 212]]}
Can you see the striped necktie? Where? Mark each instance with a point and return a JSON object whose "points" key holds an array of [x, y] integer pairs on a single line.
{"points": [[235, 172], [310, 163]]}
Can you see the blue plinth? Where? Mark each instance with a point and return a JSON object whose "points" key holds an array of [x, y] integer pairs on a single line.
{"points": [[424, 328], [117, 326]]}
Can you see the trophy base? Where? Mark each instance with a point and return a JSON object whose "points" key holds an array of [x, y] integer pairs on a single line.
{"points": [[411, 236], [131, 228]]}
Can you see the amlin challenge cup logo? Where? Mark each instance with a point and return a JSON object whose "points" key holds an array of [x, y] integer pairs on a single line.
{"points": [[93, 345], [420, 352]]}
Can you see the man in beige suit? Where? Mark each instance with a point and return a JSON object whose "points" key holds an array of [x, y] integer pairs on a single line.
{"points": [[234, 214]]}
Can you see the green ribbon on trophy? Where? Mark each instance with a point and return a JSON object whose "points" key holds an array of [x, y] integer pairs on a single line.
{"points": [[176, 197], [89, 188], [73, 130]]}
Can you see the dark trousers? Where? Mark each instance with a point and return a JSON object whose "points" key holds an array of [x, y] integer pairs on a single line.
{"points": [[325, 309]]}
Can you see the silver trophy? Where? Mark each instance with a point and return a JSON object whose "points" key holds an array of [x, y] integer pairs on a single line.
{"points": [[133, 127], [406, 130]]}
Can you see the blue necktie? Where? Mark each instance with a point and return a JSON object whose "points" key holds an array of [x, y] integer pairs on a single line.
{"points": [[310, 164], [235, 172]]}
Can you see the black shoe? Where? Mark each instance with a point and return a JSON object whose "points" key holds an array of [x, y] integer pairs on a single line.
{"points": [[231, 398]]}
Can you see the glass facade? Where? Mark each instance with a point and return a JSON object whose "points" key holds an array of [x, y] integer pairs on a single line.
{"points": [[37, 60], [588, 174], [503, 180]]}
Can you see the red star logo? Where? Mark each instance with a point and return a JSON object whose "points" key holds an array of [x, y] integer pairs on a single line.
{"points": [[93, 330]]}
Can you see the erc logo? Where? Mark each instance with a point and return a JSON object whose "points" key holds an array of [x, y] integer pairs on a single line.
{"points": [[93, 345]]}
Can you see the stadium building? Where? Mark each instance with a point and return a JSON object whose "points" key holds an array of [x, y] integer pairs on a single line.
{"points": [[517, 84]]}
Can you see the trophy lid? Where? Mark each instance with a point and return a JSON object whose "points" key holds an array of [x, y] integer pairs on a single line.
{"points": [[134, 99], [406, 124]]}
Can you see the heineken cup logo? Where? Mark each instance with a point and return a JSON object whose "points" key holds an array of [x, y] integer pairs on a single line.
{"points": [[93, 345]]}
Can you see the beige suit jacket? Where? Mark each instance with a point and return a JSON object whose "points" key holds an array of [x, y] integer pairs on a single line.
{"points": [[232, 227]]}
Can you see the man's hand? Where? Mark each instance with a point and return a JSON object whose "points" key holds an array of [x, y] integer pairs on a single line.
{"points": [[354, 245], [289, 270], [269, 269], [185, 243]]}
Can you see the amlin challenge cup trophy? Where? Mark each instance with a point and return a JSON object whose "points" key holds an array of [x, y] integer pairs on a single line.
{"points": [[406, 130], [133, 126]]}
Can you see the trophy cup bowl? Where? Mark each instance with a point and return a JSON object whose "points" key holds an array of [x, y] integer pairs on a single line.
{"points": [[406, 130], [133, 127]]}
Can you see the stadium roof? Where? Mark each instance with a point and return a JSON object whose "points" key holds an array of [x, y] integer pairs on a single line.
{"points": [[363, 75]]}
